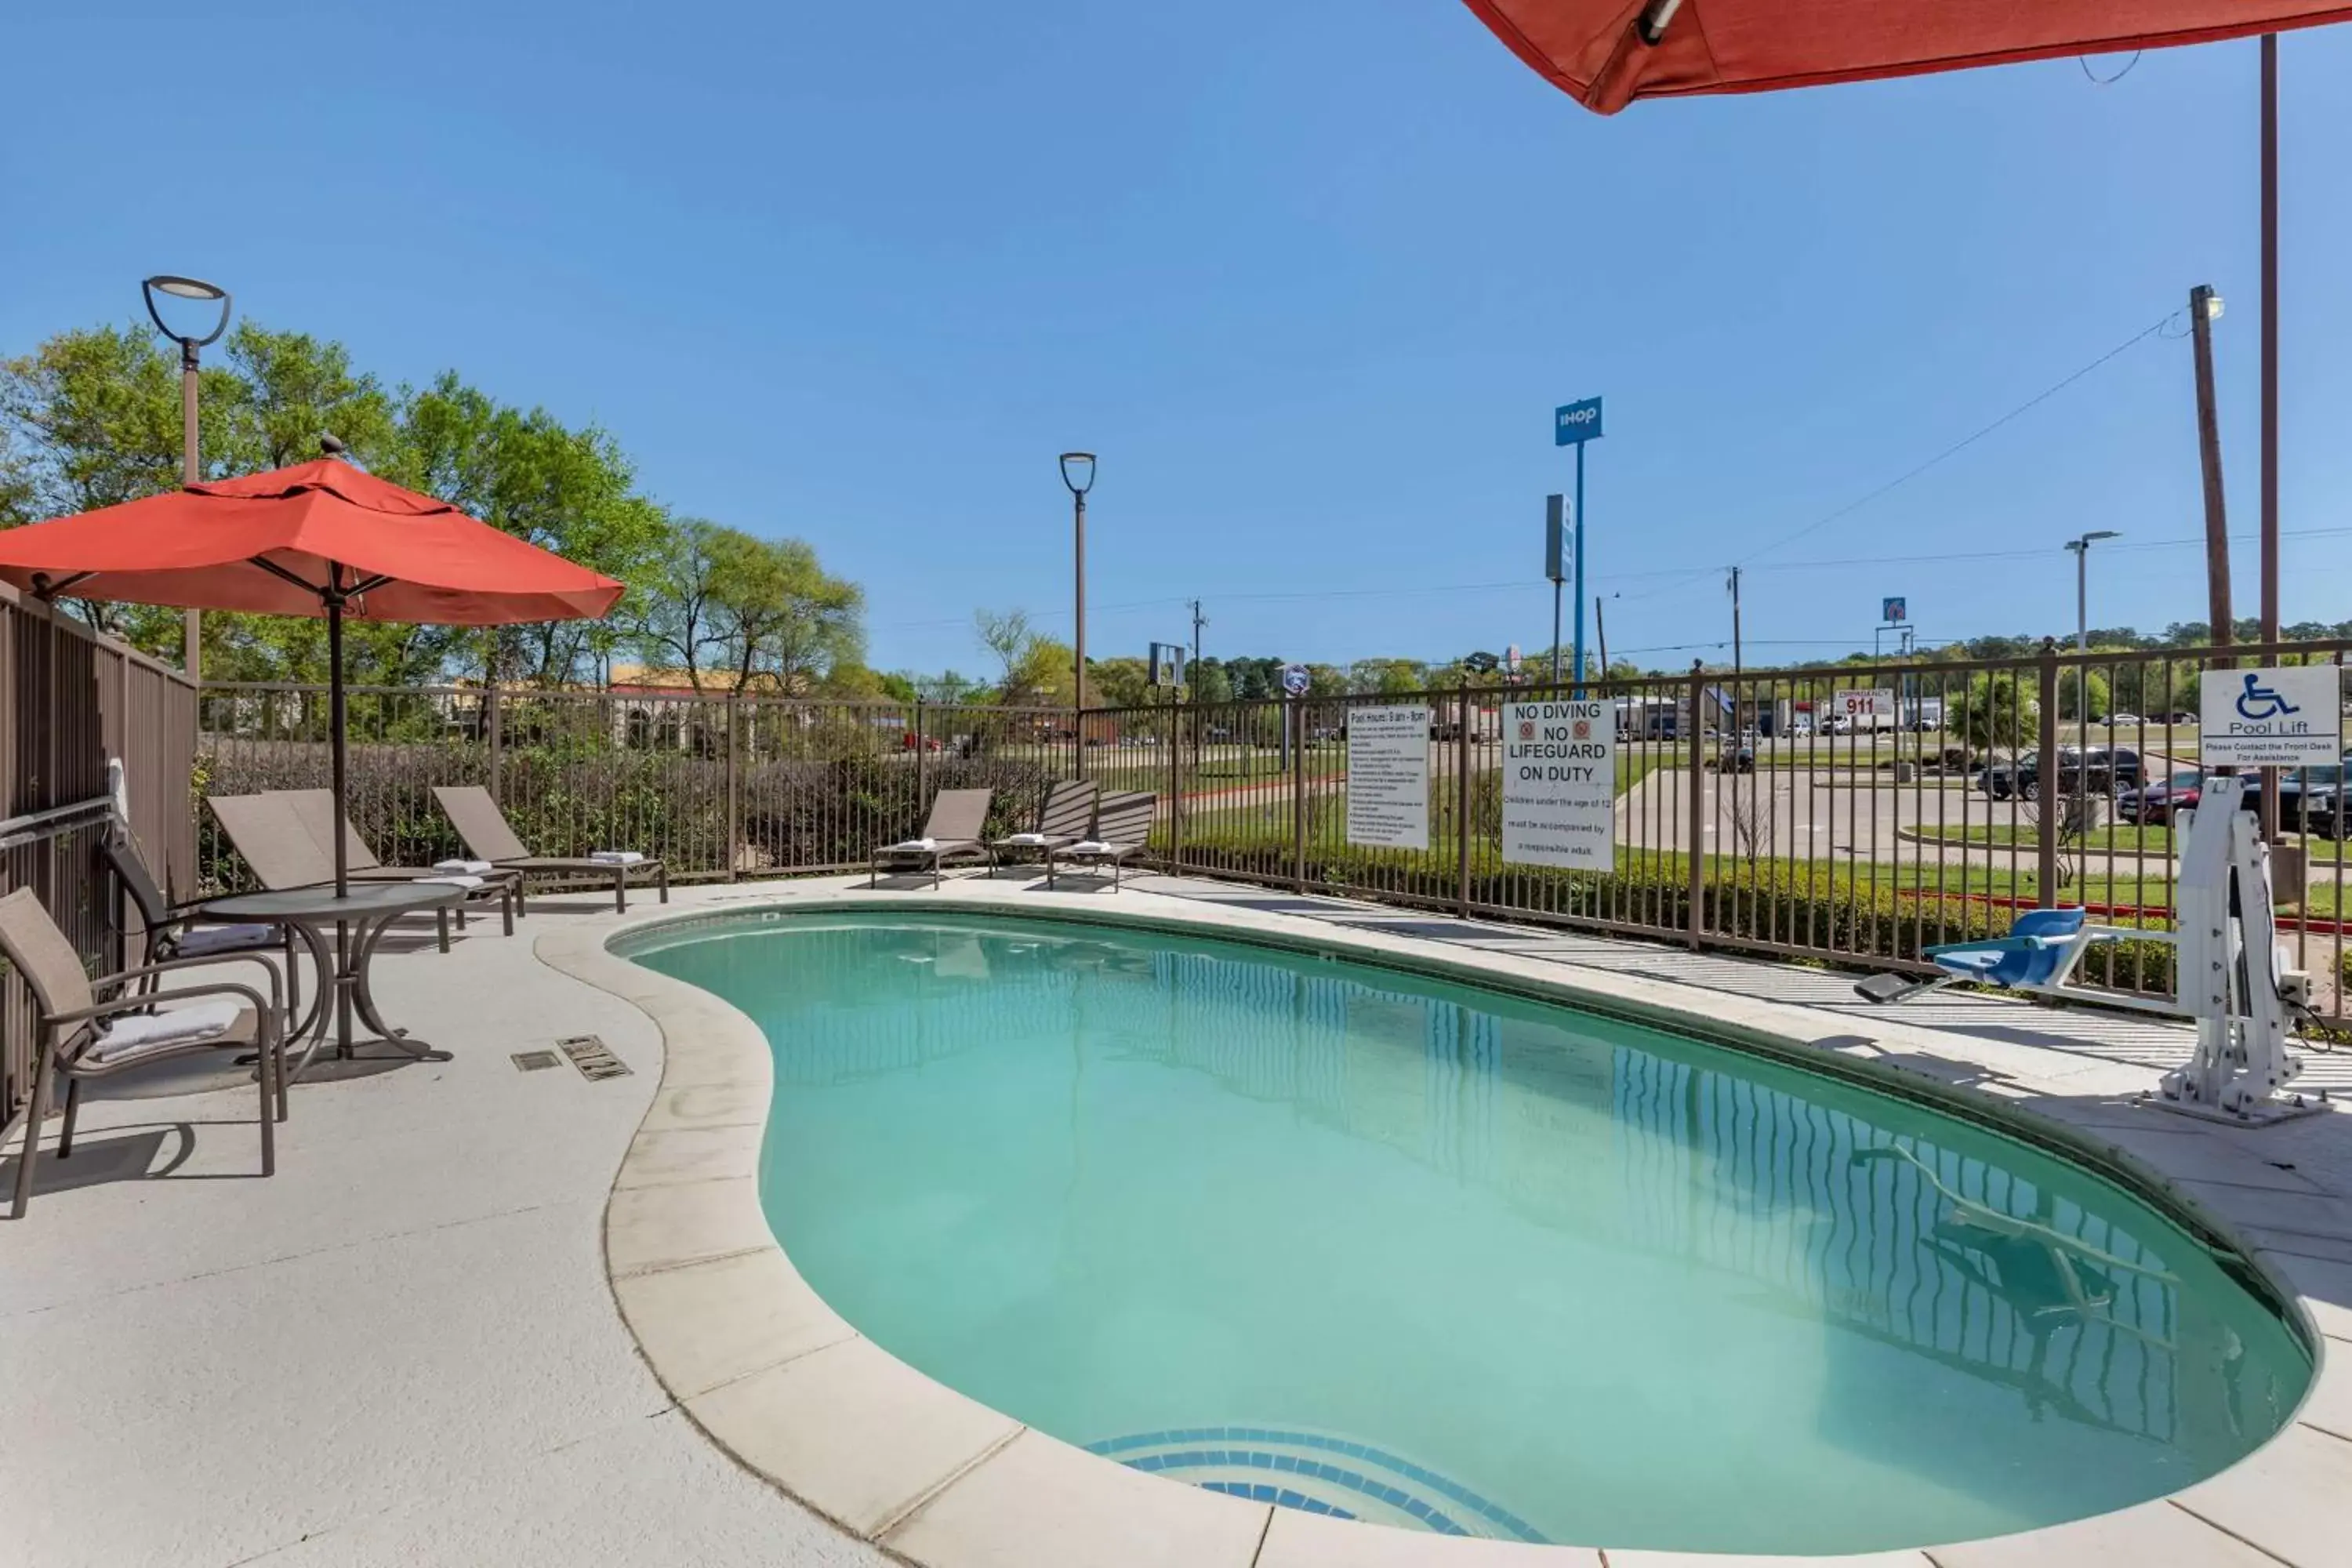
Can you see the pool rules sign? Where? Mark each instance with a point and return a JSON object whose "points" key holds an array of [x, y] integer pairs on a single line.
{"points": [[1559, 784]]}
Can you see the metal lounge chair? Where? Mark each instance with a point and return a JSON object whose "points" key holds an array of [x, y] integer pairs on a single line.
{"points": [[315, 809], [1068, 812], [954, 829], [491, 837], [78, 1036], [281, 854], [1122, 828]]}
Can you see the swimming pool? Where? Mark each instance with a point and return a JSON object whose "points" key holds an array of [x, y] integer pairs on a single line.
{"points": [[1366, 1243]]}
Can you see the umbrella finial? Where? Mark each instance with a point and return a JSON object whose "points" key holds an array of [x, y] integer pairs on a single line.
{"points": [[330, 447]]}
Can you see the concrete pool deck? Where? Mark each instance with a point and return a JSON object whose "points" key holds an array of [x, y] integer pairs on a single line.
{"points": [[414, 1346]]}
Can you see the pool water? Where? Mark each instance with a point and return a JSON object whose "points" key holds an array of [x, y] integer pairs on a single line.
{"points": [[1438, 1257]]}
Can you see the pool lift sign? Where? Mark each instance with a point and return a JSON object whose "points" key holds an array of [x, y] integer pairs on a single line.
{"points": [[2262, 718], [1559, 784]]}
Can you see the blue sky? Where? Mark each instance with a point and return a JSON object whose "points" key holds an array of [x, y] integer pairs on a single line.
{"points": [[1310, 278]]}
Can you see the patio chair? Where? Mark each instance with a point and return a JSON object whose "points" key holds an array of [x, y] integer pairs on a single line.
{"points": [[1122, 828], [954, 829], [78, 1037], [315, 810], [1068, 812], [280, 852], [170, 931], [484, 827]]}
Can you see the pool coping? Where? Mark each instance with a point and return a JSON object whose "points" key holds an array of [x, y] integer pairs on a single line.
{"points": [[798, 1397]]}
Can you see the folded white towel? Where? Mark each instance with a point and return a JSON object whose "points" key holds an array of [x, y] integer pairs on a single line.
{"points": [[1090, 847], [463, 867], [453, 882], [152, 1031], [913, 845], [617, 857], [1028, 838]]}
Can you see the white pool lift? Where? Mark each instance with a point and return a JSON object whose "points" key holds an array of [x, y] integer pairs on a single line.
{"points": [[2230, 974]]}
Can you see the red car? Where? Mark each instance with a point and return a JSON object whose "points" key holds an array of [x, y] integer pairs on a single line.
{"points": [[2156, 805], [910, 741]]}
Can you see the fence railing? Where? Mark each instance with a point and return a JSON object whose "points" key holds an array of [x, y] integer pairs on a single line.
{"points": [[74, 700], [1751, 814], [720, 787]]}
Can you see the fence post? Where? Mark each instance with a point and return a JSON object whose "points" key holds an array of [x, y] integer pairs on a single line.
{"points": [[1462, 796], [734, 786], [1175, 738], [2051, 803], [1695, 787], [491, 733], [922, 759], [1295, 715]]}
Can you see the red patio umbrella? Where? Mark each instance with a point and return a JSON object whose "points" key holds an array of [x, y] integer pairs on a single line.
{"points": [[318, 538], [1607, 53]]}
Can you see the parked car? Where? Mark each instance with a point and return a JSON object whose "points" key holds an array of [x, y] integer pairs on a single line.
{"points": [[2188, 719], [2156, 804], [910, 741], [2311, 799], [2122, 721], [2101, 770], [1734, 760]]}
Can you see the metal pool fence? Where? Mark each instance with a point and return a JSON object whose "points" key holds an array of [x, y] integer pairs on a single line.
{"points": [[720, 787], [1753, 813]]}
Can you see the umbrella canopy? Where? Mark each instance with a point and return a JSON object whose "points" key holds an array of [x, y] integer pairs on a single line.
{"points": [[318, 538], [1607, 53], [268, 544]]}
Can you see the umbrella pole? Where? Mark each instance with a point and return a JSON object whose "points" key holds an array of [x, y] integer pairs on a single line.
{"points": [[334, 597]]}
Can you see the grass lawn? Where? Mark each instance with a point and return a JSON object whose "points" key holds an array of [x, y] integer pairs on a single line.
{"points": [[2116, 837]]}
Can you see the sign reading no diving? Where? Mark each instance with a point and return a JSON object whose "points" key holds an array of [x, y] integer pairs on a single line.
{"points": [[1559, 784]]}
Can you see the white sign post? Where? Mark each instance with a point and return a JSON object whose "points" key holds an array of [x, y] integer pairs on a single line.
{"points": [[1387, 778], [2271, 718], [1559, 784]]}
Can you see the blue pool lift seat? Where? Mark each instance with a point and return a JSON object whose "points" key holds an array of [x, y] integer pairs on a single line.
{"points": [[2029, 956]]}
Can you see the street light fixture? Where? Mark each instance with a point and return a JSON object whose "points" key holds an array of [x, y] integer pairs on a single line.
{"points": [[191, 457], [2081, 548], [1078, 475]]}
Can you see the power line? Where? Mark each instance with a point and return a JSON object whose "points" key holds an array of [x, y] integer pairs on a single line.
{"points": [[1964, 443]]}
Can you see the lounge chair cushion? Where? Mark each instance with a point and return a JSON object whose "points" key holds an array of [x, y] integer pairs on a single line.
{"points": [[139, 1033]]}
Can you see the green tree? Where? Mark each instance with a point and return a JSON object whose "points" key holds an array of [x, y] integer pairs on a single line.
{"points": [[1208, 681], [676, 618], [780, 614], [1996, 709]]}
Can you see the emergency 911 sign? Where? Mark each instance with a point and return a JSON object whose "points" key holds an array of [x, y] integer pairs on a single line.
{"points": [[1559, 784], [2271, 716]]}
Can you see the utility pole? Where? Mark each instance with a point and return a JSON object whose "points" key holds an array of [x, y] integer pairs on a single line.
{"points": [[2204, 305], [1199, 620], [1600, 629], [2270, 494], [1735, 623]]}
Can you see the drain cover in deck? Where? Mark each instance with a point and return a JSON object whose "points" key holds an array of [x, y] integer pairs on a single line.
{"points": [[533, 1061], [592, 1057]]}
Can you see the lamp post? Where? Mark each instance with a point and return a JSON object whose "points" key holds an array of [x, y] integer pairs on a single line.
{"points": [[1078, 474], [2081, 548], [191, 459]]}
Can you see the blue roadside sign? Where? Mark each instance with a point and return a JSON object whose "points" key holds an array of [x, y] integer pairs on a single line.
{"points": [[1294, 680], [1573, 424], [1893, 610]]}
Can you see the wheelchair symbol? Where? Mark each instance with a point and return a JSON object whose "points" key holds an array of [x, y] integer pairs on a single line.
{"points": [[2259, 702]]}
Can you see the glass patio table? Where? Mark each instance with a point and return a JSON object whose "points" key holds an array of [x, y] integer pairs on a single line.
{"points": [[358, 920]]}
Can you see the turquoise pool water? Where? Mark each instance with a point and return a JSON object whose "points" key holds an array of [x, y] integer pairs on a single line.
{"points": [[1434, 1255]]}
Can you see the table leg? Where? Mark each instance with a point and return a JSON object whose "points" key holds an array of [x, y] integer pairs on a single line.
{"points": [[356, 986]]}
